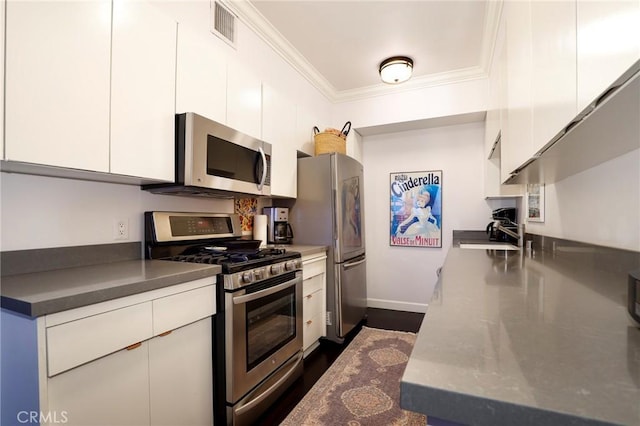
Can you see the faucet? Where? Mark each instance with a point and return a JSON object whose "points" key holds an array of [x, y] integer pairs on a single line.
{"points": [[519, 236]]}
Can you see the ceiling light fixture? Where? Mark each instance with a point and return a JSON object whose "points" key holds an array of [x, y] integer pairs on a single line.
{"points": [[396, 69]]}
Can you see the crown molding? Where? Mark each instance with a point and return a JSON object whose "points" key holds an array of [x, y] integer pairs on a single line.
{"points": [[415, 83], [256, 22], [249, 15]]}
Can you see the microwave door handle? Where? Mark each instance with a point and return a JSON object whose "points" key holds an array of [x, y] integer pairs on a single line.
{"points": [[264, 169]]}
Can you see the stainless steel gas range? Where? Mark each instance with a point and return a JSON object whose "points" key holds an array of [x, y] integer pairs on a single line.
{"points": [[258, 326]]}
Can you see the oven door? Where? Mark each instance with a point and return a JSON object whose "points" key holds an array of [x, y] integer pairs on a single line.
{"points": [[264, 330], [219, 157]]}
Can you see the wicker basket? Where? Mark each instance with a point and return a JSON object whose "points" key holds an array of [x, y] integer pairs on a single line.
{"points": [[331, 140]]}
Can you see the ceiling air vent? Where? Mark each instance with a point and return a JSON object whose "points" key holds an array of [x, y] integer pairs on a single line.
{"points": [[223, 23]]}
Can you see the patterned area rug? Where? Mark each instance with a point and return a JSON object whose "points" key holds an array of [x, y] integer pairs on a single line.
{"points": [[362, 387]]}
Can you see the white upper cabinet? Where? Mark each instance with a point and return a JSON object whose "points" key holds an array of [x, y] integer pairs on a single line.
{"points": [[244, 100], [553, 68], [91, 86], [608, 44], [202, 77], [278, 129], [517, 134], [143, 91], [496, 121], [495, 88], [57, 83]]}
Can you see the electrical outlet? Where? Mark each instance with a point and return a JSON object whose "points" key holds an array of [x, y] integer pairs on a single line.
{"points": [[121, 229]]}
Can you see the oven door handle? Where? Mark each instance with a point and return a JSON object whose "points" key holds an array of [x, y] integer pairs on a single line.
{"points": [[295, 361], [266, 292]]}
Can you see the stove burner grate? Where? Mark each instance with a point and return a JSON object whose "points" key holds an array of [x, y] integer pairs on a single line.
{"points": [[216, 257]]}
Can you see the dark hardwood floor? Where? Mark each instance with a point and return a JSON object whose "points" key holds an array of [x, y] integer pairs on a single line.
{"points": [[322, 358]]}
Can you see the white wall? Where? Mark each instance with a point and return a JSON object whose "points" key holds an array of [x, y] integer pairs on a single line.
{"points": [[397, 277], [419, 104], [41, 212], [598, 206]]}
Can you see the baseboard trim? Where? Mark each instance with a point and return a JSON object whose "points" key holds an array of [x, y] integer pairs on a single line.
{"points": [[397, 305]]}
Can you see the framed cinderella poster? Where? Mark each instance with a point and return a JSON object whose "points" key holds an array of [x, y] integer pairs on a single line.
{"points": [[416, 209]]}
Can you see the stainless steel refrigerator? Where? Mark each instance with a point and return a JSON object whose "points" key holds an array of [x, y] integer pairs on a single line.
{"points": [[329, 210]]}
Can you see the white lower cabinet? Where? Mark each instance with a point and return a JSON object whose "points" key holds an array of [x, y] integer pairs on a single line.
{"points": [[166, 380], [112, 390], [144, 359], [181, 376], [314, 300]]}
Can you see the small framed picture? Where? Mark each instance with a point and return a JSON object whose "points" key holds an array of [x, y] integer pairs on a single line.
{"points": [[535, 202]]}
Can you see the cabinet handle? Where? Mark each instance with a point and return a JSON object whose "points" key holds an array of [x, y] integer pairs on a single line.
{"points": [[309, 296], [134, 346], [166, 333], [309, 322]]}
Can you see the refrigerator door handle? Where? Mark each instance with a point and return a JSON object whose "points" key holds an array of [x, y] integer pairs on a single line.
{"points": [[352, 264], [334, 208]]}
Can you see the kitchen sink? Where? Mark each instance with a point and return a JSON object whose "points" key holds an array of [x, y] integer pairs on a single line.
{"points": [[486, 246]]}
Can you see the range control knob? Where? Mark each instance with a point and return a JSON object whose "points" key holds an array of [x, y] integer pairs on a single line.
{"points": [[247, 277], [290, 266], [276, 269], [259, 273]]}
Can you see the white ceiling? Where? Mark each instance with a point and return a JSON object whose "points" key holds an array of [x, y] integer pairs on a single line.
{"points": [[338, 45]]}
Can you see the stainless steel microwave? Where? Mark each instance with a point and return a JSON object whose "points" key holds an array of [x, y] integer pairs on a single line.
{"points": [[215, 160]]}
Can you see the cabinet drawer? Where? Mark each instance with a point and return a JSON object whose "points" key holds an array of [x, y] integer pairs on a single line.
{"points": [[77, 342], [313, 267], [183, 308], [311, 285], [312, 304], [313, 329]]}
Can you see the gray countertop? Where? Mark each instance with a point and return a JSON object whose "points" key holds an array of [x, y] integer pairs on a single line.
{"points": [[44, 281], [40, 293], [305, 250], [511, 338]]}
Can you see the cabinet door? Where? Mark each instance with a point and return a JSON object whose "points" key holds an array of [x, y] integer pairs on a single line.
{"points": [[143, 91], [2, 31], [278, 128], [517, 137], [313, 308], [181, 376], [244, 100], [113, 390], [608, 44], [494, 88], [201, 77], [554, 68], [314, 298], [57, 83]]}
